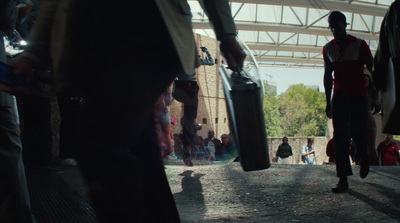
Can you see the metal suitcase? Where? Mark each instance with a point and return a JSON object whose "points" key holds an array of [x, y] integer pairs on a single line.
{"points": [[243, 99]]}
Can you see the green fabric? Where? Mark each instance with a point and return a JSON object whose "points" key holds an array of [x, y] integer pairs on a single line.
{"points": [[284, 151]]}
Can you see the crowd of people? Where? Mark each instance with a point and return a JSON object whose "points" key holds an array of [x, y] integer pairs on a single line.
{"points": [[387, 152], [205, 149]]}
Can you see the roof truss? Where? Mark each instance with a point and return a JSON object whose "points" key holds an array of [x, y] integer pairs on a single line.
{"points": [[293, 32]]}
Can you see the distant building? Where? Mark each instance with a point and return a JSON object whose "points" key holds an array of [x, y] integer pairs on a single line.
{"points": [[271, 86]]}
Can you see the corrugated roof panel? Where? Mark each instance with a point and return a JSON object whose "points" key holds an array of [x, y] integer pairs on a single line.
{"points": [[269, 13]]}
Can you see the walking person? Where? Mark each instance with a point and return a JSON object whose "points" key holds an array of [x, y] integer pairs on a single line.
{"points": [[14, 196], [346, 57], [119, 154]]}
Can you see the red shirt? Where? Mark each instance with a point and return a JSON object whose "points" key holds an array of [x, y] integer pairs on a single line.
{"points": [[330, 150], [389, 153], [348, 67]]}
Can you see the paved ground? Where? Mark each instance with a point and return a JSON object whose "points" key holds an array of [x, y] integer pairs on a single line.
{"points": [[282, 193]]}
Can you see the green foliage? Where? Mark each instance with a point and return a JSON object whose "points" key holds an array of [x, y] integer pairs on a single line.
{"points": [[271, 114], [292, 110], [300, 111]]}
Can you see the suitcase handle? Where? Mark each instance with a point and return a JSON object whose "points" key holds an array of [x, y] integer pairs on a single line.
{"points": [[239, 78]]}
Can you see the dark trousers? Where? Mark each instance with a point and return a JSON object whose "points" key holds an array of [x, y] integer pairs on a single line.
{"points": [[119, 153], [69, 127], [350, 116], [187, 93], [189, 115], [14, 195], [371, 133], [35, 113]]}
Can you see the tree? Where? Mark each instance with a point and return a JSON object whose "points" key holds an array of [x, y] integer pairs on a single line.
{"points": [[299, 111], [292, 111], [271, 114], [303, 111]]}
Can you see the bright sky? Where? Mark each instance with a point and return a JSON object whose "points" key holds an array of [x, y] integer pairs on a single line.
{"points": [[284, 77]]}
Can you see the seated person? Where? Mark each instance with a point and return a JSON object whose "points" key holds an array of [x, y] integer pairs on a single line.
{"points": [[213, 145]]}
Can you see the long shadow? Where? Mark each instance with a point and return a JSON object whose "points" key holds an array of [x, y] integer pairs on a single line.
{"points": [[387, 192], [385, 171], [378, 206], [192, 193]]}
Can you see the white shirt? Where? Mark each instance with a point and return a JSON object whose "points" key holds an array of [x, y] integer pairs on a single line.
{"points": [[310, 158]]}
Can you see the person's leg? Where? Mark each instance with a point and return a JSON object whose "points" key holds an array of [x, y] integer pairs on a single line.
{"points": [[15, 202], [36, 132], [371, 134], [120, 156], [29, 130], [359, 119], [159, 137], [190, 113], [341, 126], [166, 130], [69, 108], [42, 124]]}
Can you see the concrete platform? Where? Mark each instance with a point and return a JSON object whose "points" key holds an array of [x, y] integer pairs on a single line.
{"points": [[282, 193]]}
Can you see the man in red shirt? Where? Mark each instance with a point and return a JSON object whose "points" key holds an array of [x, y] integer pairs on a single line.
{"points": [[345, 56], [388, 152]]}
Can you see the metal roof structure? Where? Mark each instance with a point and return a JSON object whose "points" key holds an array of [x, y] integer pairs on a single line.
{"points": [[291, 33]]}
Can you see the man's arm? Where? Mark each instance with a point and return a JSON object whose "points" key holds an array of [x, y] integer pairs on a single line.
{"points": [[369, 62], [306, 154], [219, 13], [366, 56], [220, 16], [290, 151], [278, 152], [328, 82]]}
